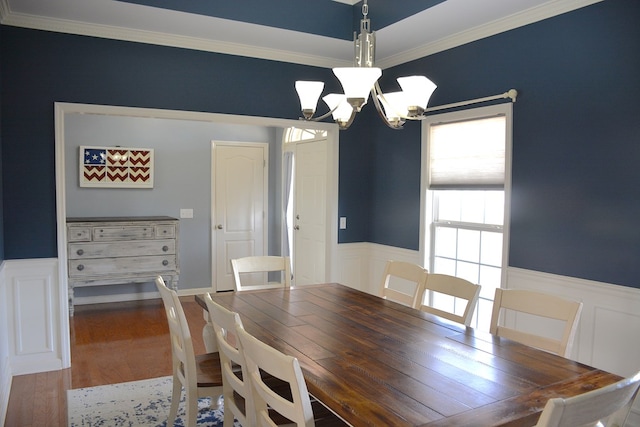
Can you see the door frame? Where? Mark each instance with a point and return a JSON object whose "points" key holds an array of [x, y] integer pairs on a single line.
{"points": [[265, 200], [63, 108]]}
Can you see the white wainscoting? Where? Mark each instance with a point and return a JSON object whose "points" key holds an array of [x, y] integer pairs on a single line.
{"points": [[37, 329], [5, 367], [361, 264], [31, 299]]}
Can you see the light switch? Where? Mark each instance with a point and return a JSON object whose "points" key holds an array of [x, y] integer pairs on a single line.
{"points": [[343, 223], [186, 213]]}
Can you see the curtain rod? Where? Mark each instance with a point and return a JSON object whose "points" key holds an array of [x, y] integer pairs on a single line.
{"points": [[511, 93]]}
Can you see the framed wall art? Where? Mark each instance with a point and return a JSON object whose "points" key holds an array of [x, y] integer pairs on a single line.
{"points": [[116, 167]]}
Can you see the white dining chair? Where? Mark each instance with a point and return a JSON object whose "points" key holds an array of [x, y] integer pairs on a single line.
{"points": [[541, 305], [294, 405], [408, 288], [200, 375], [252, 272], [456, 287], [608, 406], [238, 401]]}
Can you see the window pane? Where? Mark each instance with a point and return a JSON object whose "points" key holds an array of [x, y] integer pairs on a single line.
{"points": [[483, 313], [468, 271], [446, 241], [494, 207], [491, 248], [489, 280], [448, 206], [472, 207], [444, 266], [469, 245]]}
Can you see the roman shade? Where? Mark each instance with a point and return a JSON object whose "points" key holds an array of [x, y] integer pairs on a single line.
{"points": [[467, 154]]}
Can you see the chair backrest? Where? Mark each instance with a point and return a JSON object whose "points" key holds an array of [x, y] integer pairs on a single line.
{"points": [[606, 407], [260, 264], [183, 356], [262, 357], [538, 304], [225, 323], [408, 272], [453, 286]]}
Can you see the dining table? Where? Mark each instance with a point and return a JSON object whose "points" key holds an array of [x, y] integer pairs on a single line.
{"points": [[375, 362]]}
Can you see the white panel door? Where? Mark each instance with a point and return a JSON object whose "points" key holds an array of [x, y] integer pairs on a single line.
{"points": [[240, 206], [310, 215]]}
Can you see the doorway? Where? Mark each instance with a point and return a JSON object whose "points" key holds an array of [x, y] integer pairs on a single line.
{"points": [[240, 186], [64, 160]]}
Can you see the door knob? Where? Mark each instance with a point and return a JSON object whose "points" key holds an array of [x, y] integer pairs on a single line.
{"points": [[219, 227]]}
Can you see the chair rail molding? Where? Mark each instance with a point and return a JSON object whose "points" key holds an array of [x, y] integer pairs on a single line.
{"points": [[35, 325]]}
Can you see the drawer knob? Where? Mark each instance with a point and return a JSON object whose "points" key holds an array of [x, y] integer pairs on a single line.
{"points": [[165, 248], [165, 262], [80, 267], [80, 252]]}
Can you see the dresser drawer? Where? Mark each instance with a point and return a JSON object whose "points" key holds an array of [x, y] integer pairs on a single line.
{"points": [[121, 249], [121, 266], [130, 232], [165, 231], [79, 234]]}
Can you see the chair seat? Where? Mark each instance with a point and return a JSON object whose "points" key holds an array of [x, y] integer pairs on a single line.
{"points": [[208, 370]]}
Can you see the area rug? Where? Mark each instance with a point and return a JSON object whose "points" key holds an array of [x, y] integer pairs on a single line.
{"points": [[142, 403]]}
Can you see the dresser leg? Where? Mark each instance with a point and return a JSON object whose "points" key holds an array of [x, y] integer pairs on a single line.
{"points": [[70, 300]]}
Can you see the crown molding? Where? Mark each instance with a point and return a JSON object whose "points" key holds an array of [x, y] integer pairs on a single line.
{"points": [[163, 39], [547, 10], [521, 19]]}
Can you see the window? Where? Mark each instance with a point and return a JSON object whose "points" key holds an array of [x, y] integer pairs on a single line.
{"points": [[465, 188]]}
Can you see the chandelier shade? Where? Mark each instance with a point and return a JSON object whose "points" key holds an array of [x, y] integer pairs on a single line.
{"points": [[357, 83], [395, 105], [341, 110], [309, 93], [361, 80], [417, 91], [395, 108]]}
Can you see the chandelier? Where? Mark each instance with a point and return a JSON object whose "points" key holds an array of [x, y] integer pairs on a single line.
{"points": [[361, 80]]}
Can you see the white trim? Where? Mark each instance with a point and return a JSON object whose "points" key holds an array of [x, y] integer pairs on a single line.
{"points": [[62, 108], [529, 16], [34, 316], [332, 48], [426, 208], [182, 41], [103, 299], [5, 365]]}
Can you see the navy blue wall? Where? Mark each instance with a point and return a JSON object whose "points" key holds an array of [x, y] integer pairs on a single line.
{"points": [[576, 141], [576, 130], [40, 68]]}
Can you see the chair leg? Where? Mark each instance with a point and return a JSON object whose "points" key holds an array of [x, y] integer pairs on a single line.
{"points": [[228, 418], [191, 406], [175, 401]]}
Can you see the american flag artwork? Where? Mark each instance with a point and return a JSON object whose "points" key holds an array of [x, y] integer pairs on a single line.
{"points": [[113, 167]]}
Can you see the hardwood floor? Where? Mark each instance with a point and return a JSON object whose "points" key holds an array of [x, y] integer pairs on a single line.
{"points": [[110, 343]]}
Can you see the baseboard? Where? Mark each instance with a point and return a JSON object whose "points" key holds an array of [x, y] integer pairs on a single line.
{"points": [[102, 299]]}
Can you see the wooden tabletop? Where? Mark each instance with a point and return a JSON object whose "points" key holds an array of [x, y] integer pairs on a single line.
{"points": [[375, 362]]}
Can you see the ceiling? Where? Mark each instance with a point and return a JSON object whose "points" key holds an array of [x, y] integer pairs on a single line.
{"points": [[317, 34]]}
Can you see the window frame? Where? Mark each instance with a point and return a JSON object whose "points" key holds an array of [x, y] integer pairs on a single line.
{"points": [[426, 196]]}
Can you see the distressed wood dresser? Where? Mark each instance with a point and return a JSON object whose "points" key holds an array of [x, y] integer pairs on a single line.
{"points": [[120, 250]]}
